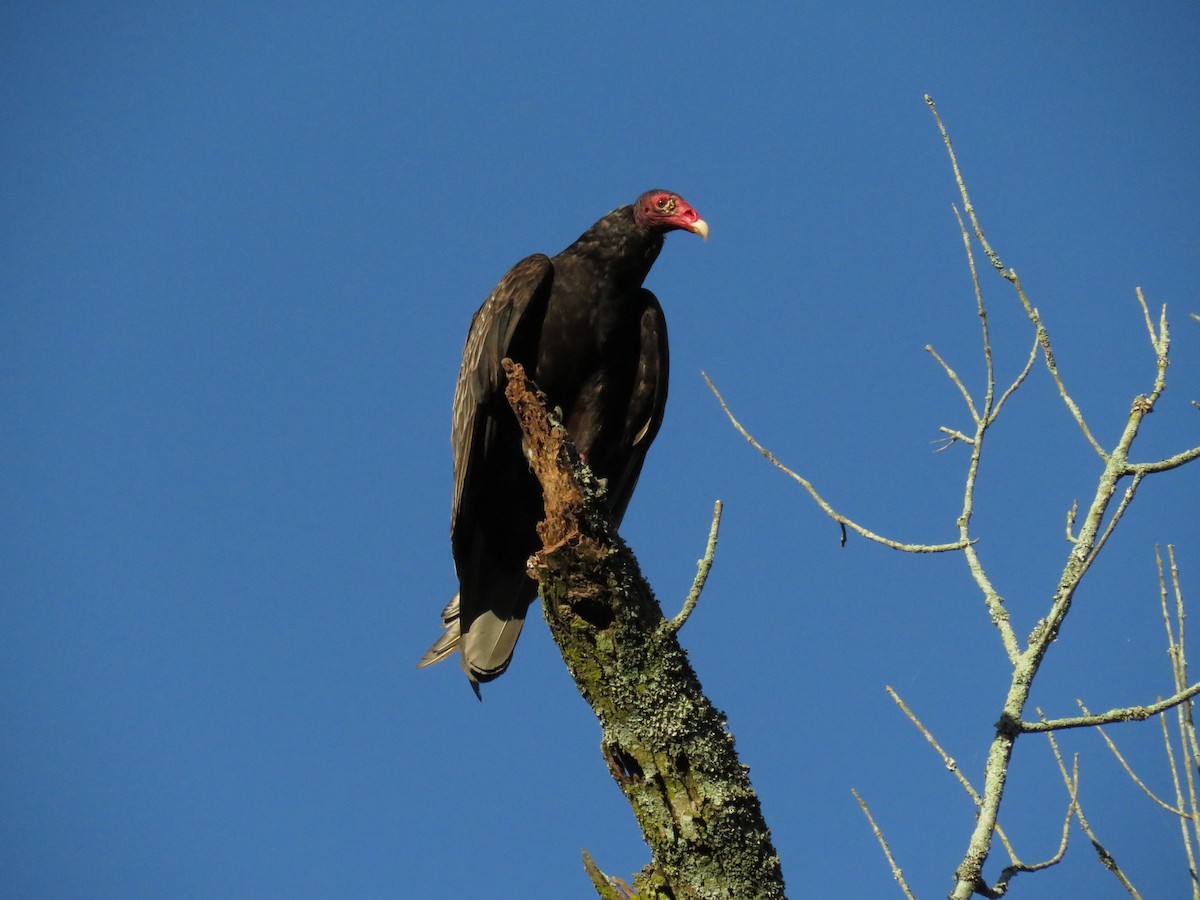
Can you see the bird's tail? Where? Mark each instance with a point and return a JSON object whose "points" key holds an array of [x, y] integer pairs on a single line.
{"points": [[487, 648], [449, 639]]}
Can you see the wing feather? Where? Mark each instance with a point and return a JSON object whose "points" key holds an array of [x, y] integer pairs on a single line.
{"points": [[647, 402], [508, 324]]}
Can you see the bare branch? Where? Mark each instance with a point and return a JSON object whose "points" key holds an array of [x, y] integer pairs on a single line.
{"points": [[1073, 786], [1173, 649], [983, 322], [948, 760], [1187, 726], [1011, 275], [896, 872], [1072, 783], [1180, 662], [1149, 323], [1043, 337], [1116, 516], [703, 566], [1107, 859], [1089, 541], [1126, 714], [1163, 465], [825, 507], [1073, 779], [1133, 775], [952, 436], [1019, 379], [1180, 811], [957, 382], [962, 189]]}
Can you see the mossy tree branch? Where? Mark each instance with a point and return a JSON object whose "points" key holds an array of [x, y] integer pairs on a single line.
{"points": [[665, 744]]}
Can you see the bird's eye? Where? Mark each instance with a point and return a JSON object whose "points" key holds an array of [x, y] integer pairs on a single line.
{"points": [[665, 204]]}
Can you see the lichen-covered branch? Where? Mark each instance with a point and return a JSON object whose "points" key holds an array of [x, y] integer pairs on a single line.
{"points": [[703, 567], [1126, 714], [1072, 784], [665, 744]]}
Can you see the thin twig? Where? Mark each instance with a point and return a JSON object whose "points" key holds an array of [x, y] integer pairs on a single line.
{"points": [[1107, 859], [962, 189], [1071, 513], [1183, 815], [952, 436], [1011, 275], [1187, 726], [983, 321], [992, 599], [825, 507], [1129, 770], [1181, 617], [703, 565], [1105, 856], [896, 872], [1019, 379], [962, 388], [1126, 499], [948, 761], [1072, 783], [1043, 337], [1126, 714], [1149, 323], [1174, 810]]}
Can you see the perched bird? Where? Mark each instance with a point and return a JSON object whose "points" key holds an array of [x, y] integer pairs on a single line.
{"points": [[595, 341]]}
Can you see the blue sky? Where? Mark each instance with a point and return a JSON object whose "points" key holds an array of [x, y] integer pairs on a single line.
{"points": [[241, 246]]}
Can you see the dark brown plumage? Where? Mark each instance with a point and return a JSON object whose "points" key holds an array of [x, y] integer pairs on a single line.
{"points": [[595, 341]]}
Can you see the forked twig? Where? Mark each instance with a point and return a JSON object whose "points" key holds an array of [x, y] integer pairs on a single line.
{"points": [[1106, 858], [1011, 276]]}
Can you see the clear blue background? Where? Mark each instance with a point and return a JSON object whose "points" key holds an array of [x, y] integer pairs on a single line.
{"points": [[240, 247]]}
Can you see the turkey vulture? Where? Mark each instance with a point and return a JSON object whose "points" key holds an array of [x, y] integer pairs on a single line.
{"points": [[595, 341]]}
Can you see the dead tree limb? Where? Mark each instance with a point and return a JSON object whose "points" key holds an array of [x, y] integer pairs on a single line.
{"points": [[665, 744]]}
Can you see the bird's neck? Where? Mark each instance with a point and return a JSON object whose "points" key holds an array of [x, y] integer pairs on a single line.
{"points": [[617, 249]]}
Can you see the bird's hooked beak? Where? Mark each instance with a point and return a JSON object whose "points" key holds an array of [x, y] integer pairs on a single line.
{"points": [[699, 227]]}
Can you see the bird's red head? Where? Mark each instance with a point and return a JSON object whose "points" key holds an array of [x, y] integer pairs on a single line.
{"points": [[664, 211]]}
